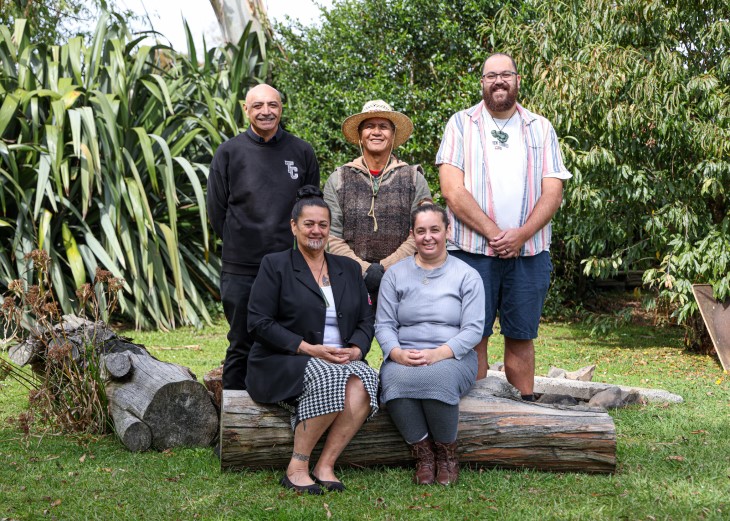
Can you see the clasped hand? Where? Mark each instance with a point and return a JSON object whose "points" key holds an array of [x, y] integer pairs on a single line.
{"points": [[420, 357], [335, 355], [508, 243]]}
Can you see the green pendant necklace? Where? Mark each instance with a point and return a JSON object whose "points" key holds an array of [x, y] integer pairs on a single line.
{"points": [[499, 134]]}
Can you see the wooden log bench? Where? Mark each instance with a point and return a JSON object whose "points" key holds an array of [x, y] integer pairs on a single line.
{"points": [[494, 431]]}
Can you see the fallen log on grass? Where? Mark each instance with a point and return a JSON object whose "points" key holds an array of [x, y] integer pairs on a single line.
{"points": [[494, 431], [153, 404], [586, 390], [156, 404]]}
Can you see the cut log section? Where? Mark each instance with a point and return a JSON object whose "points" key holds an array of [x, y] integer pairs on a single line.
{"points": [[493, 432], [133, 432], [176, 409], [117, 365], [153, 404], [25, 353]]}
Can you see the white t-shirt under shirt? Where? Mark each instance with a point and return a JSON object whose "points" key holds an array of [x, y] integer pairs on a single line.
{"points": [[332, 336], [506, 169]]}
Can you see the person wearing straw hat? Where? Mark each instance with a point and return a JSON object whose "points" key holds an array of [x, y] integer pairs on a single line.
{"points": [[372, 197]]}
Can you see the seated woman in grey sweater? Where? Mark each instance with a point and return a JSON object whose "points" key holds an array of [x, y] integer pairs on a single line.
{"points": [[430, 316]]}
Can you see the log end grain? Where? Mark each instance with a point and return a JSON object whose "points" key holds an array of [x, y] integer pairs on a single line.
{"points": [[182, 414], [133, 432], [118, 365], [138, 437], [25, 353]]}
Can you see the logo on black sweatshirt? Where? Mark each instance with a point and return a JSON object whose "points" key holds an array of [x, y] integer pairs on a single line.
{"points": [[293, 171]]}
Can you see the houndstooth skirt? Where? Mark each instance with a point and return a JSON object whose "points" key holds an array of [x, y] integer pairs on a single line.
{"points": [[324, 389]]}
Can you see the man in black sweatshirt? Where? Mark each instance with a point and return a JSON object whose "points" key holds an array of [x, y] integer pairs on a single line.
{"points": [[252, 187]]}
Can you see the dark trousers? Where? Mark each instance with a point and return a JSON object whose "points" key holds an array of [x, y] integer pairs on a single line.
{"points": [[235, 292]]}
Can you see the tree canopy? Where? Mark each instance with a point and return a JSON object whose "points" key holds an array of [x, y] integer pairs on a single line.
{"points": [[420, 56], [637, 91]]}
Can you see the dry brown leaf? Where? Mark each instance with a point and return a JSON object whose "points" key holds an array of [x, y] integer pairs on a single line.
{"points": [[56, 503], [676, 458], [82, 458]]}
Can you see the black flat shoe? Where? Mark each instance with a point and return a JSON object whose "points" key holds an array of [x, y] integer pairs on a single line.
{"points": [[313, 489], [330, 486]]}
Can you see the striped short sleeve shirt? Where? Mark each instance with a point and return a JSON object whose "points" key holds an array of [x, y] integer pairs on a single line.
{"points": [[464, 146]]}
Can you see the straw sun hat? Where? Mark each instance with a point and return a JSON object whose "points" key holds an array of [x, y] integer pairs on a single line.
{"points": [[378, 109]]}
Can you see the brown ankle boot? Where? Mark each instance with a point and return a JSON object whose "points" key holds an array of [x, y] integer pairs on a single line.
{"points": [[447, 463], [423, 454]]}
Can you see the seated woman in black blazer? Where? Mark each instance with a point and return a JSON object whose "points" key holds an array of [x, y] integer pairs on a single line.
{"points": [[312, 323]]}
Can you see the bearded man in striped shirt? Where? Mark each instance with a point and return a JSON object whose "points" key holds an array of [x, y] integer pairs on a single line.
{"points": [[502, 175]]}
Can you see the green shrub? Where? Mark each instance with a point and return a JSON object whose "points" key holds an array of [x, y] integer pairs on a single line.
{"points": [[637, 92]]}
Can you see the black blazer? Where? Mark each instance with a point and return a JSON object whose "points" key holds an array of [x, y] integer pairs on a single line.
{"points": [[286, 306]]}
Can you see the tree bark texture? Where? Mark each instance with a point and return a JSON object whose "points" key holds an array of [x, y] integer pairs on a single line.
{"points": [[493, 432], [213, 381], [166, 398]]}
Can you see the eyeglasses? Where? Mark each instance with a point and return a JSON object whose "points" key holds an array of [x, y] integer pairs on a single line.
{"points": [[492, 76]]}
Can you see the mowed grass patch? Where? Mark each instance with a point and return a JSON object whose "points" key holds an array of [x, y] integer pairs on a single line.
{"points": [[673, 460]]}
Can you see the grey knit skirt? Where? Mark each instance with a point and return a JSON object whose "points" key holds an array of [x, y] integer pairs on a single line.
{"points": [[446, 381], [324, 389]]}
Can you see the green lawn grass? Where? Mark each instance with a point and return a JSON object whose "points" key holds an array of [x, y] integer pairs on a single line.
{"points": [[673, 460]]}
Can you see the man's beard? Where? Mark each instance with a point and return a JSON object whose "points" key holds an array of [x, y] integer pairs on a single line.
{"points": [[315, 244], [500, 106]]}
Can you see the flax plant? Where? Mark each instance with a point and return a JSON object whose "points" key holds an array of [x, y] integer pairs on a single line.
{"points": [[103, 161]]}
